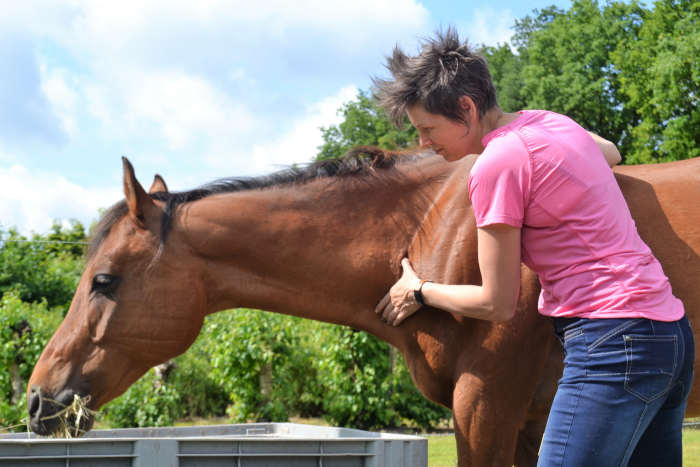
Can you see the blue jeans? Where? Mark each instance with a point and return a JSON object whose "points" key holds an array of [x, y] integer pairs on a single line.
{"points": [[622, 397]]}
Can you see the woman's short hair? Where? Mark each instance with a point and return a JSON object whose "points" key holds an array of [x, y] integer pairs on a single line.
{"points": [[444, 71]]}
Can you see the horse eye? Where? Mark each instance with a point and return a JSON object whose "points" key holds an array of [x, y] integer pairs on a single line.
{"points": [[104, 283]]}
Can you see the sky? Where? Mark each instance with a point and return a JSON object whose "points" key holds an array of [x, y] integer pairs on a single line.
{"points": [[191, 90]]}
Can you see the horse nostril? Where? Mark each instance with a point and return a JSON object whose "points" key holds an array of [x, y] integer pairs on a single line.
{"points": [[34, 402]]}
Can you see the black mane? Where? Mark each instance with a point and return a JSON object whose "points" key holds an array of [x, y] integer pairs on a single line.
{"points": [[359, 161]]}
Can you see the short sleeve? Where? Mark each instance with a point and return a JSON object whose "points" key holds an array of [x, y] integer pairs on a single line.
{"points": [[499, 182]]}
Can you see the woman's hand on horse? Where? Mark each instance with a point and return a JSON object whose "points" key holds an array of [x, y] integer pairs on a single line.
{"points": [[400, 302]]}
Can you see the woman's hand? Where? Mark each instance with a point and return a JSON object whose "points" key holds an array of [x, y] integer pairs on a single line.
{"points": [[400, 302]]}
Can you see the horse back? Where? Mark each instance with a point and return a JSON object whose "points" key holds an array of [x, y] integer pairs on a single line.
{"points": [[664, 202]]}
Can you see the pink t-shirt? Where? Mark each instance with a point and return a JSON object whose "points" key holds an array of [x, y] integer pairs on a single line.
{"points": [[544, 174]]}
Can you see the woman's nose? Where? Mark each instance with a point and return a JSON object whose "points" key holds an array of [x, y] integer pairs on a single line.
{"points": [[424, 142]]}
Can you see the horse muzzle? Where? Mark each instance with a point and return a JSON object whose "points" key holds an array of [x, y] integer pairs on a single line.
{"points": [[64, 415]]}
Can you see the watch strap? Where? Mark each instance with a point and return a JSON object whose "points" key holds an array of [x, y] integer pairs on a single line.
{"points": [[418, 293]]}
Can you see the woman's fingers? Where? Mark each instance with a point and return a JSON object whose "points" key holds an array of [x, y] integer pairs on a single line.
{"points": [[386, 300], [402, 316], [406, 265], [399, 303]]}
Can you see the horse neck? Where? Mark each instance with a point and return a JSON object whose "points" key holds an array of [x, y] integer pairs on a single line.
{"points": [[328, 250]]}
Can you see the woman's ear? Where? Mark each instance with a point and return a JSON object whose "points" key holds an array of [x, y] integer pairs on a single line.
{"points": [[469, 109]]}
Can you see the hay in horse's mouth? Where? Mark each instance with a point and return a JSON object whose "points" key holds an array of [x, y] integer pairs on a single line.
{"points": [[70, 417]]}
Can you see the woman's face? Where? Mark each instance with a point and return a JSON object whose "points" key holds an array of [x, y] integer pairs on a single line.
{"points": [[452, 140]]}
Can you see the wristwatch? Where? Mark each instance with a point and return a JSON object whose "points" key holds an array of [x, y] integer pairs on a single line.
{"points": [[418, 293]]}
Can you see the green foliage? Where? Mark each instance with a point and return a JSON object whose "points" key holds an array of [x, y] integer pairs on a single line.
{"points": [[200, 394], [364, 124], [25, 329], [660, 75], [506, 72], [525, 27], [364, 387], [38, 269], [262, 362], [624, 71], [357, 372], [570, 69], [145, 403]]}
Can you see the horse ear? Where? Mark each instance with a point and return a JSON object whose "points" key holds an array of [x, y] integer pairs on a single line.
{"points": [[141, 206], [158, 185]]}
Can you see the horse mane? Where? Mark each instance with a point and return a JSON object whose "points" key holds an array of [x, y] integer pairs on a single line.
{"points": [[361, 161]]}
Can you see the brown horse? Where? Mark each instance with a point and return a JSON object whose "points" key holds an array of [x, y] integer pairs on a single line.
{"points": [[325, 243]]}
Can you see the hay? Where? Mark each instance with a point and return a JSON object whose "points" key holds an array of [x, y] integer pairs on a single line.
{"points": [[70, 414]]}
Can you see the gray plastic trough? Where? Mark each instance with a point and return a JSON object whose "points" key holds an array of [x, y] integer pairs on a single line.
{"points": [[246, 445]]}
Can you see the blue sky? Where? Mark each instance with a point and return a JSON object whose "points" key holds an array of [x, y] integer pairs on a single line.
{"points": [[191, 90]]}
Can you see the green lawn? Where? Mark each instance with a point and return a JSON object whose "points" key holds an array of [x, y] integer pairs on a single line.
{"points": [[442, 451], [691, 448]]}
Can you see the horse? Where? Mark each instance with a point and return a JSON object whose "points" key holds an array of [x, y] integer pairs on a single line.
{"points": [[325, 241]]}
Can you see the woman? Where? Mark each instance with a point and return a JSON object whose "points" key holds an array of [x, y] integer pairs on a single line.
{"points": [[542, 192]]}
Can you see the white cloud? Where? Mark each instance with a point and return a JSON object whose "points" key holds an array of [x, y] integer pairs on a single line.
{"points": [[6, 158], [192, 89], [210, 77], [31, 201], [489, 26], [61, 95], [181, 109], [300, 144], [121, 24]]}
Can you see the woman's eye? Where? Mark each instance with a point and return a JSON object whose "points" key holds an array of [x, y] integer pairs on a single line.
{"points": [[104, 284]]}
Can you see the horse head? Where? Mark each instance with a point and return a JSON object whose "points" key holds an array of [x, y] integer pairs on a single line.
{"points": [[121, 322]]}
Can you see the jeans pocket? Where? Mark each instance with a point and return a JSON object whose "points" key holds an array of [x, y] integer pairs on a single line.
{"points": [[571, 334], [651, 364]]}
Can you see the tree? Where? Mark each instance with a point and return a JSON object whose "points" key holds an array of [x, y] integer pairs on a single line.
{"points": [[506, 72], [570, 70], [43, 267], [364, 123], [524, 28], [25, 328], [660, 78]]}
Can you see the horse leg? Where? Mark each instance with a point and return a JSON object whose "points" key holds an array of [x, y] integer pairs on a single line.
{"points": [[501, 399], [530, 436], [485, 432], [529, 440]]}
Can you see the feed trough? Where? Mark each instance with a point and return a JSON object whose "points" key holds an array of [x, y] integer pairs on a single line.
{"points": [[242, 445]]}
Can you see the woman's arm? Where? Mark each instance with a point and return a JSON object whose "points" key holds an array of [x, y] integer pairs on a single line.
{"points": [[608, 148], [494, 300]]}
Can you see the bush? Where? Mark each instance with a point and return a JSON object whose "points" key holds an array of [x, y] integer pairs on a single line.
{"points": [[364, 389], [262, 361], [357, 381], [25, 329], [39, 270], [145, 403], [199, 393]]}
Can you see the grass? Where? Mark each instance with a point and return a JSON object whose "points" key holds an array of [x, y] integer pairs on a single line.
{"points": [[442, 451], [691, 448]]}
